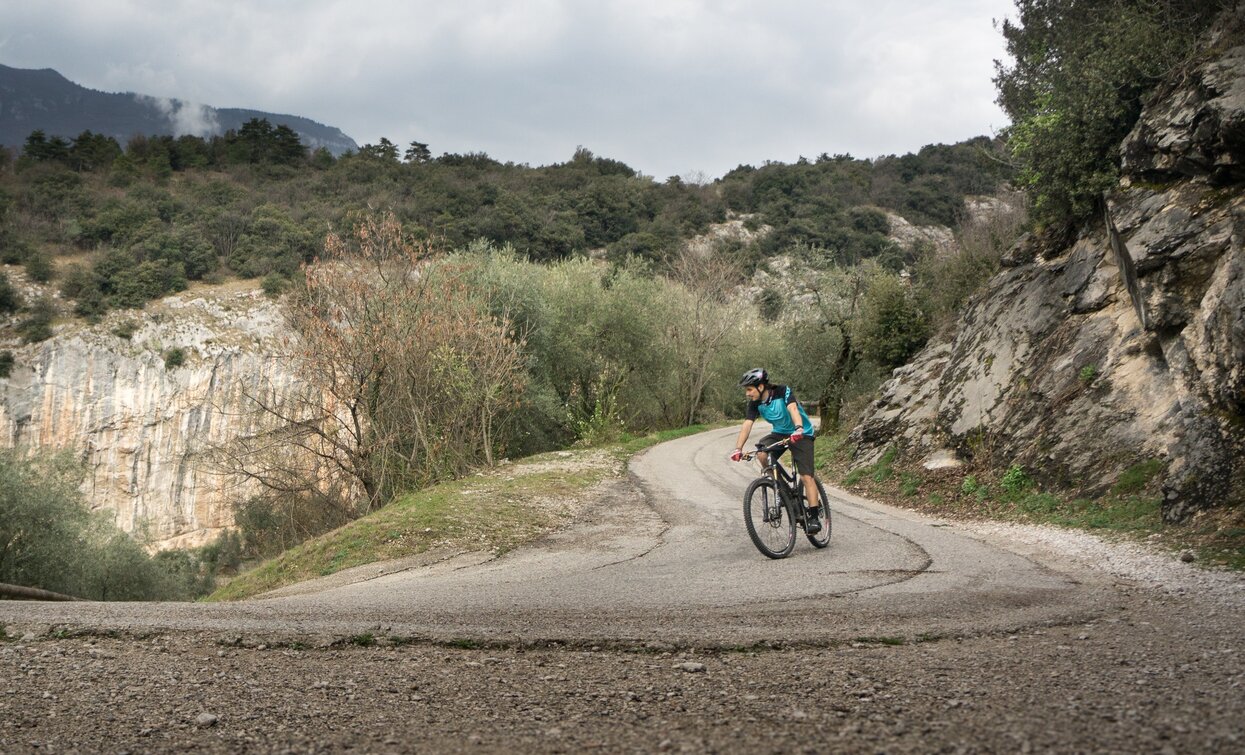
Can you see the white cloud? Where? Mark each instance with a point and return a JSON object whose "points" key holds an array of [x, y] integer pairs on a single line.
{"points": [[188, 118]]}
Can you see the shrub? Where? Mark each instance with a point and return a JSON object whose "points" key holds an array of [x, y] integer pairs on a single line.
{"points": [[6, 363], [39, 268], [270, 524], [125, 329], [892, 325], [174, 358], [37, 325], [51, 540], [10, 299], [1015, 481], [770, 302], [273, 284]]}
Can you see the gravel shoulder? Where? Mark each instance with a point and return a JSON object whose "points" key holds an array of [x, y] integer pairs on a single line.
{"points": [[1160, 674]]}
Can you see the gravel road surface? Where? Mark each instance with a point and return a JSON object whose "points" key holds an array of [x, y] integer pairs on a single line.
{"points": [[654, 624]]}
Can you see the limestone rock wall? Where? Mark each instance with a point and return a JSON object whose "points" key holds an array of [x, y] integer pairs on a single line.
{"points": [[1078, 362], [140, 428]]}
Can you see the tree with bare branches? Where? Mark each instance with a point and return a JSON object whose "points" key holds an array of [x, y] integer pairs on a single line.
{"points": [[706, 316], [403, 376]]}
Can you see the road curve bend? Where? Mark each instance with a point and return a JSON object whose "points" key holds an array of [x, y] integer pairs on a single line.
{"points": [[663, 558]]}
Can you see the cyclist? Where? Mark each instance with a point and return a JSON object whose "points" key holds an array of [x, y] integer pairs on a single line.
{"points": [[777, 405]]}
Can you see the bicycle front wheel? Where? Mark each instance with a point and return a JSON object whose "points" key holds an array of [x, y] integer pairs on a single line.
{"points": [[769, 520]]}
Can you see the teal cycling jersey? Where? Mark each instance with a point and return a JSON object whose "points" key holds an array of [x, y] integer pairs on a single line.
{"points": [[774, 410]]}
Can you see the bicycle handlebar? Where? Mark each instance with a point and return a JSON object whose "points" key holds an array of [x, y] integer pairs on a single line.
{"points": [[780, 444]]}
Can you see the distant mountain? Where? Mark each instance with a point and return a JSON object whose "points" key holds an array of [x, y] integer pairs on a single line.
{"points": [[43, 99]]}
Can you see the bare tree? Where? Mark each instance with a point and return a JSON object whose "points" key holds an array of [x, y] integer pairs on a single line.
{"points": [[701, 328], [403, 375]]}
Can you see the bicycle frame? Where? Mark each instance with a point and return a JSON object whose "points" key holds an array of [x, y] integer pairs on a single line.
{"points": [[775, 470]]}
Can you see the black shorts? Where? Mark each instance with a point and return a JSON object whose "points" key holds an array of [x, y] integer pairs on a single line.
{"points": [[801, 451]]}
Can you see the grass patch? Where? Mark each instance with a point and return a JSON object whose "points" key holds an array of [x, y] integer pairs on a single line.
{"points": [[909, 484], [1137, 477], [497, 511], [463, 644], [880, 640], [880, 471]]}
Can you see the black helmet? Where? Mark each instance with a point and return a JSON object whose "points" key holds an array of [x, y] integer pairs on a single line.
{"points": [[754, 377]]}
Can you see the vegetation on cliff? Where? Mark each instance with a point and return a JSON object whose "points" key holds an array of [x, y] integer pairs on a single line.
{"points": [[1079, 76]]}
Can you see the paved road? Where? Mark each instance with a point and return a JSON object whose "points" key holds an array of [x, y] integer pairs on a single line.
{"points": [[664, 557], [1038, 657]]}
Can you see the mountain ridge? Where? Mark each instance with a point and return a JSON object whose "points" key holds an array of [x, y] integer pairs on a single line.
{"points": [[44, 99]]}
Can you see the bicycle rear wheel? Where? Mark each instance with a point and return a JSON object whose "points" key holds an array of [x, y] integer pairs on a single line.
{"points": [[769, 521], [822, 538]]}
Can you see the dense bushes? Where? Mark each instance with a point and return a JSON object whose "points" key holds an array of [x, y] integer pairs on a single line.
{"points": [[616, 346], [50, 539], [1080, 74], [254, 204]]}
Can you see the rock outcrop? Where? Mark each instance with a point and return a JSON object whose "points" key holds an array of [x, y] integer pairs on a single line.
{"points": [[141, 427], [1121, 343]]}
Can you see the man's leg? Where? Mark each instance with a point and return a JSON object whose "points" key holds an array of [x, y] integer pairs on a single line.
{"points": [[803, 454], [810, 491]]}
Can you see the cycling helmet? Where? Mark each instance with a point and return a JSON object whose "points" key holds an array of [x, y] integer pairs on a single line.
{"points": [[754, 377]]}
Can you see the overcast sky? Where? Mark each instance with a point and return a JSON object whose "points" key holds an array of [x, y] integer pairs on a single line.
{"points": [[671, 87]]}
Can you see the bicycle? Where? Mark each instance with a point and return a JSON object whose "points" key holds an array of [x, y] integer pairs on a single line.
{"points": [[774, 505]]}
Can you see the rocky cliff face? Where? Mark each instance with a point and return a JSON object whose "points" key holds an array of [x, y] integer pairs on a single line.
{"points": [[1120, 343], [142, 428]]}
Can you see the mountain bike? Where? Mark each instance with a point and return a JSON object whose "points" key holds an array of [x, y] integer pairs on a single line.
{"points": [[774, 505]]}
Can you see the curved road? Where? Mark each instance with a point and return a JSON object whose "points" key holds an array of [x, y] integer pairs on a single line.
{"points": [[664, 558]]}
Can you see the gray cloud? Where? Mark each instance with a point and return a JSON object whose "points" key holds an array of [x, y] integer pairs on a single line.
{"points": [[668, 86]]}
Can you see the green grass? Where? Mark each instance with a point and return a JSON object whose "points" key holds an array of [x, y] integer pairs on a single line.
{"points": [[1136, 477], [893, 641], [909, 484], [1225, 547], [495, 511], [1124, 509], [879, 471]]}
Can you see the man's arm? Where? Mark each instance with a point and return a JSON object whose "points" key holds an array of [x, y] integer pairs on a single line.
{"points": [[743, 435], [794, 410]]}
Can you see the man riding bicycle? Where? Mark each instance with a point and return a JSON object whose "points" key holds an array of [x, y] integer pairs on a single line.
{"points": [[777, 405]]}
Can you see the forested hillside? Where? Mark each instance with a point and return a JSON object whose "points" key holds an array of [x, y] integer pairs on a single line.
{"points": [[44, 100], [556, 304], [256, 203]]}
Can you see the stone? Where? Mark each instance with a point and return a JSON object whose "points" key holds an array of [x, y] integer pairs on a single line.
{"points": [[943, 458], [206, 720]]}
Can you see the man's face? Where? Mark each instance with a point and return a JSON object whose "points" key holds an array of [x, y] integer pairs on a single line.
{"points": [[753, 392]]}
